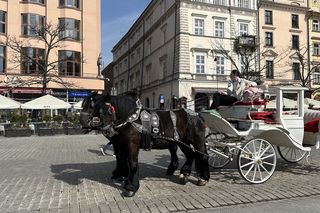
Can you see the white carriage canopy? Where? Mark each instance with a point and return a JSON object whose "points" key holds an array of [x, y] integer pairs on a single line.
{"points": [[8, 103], [46, 102], [78, 105]]}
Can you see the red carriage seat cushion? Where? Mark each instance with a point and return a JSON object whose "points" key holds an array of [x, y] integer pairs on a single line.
{"points": [[246, 103], [266, 116], [312, 126]]}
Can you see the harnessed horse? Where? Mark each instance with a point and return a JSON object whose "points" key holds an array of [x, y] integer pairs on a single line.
{"points": [[132, 127]]}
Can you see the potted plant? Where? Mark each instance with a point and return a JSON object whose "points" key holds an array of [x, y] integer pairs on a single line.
{"points": [[75, 125], [19, 126], [57, 125], [47, 129]]}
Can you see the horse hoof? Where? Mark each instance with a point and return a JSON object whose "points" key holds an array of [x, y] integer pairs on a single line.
{"points": [[128, 193], [202, 182], [183, 179]]}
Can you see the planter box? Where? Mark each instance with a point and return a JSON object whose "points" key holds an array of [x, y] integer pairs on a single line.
{"points": [[74, 131], [45, 131], [17, 132], [60, 131]]}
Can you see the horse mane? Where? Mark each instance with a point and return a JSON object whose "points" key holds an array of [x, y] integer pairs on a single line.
{"points": [[124, 106]]}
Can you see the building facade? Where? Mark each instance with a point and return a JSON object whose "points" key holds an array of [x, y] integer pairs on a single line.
{"points": [[283, 31], [172, 53], [76, 56]]}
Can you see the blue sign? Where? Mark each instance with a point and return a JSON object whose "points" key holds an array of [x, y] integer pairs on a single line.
{"points": [[161, 99], [78, 94]]}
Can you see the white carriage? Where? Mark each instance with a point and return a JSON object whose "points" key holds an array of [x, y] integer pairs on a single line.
{"points": [[250, 131]]}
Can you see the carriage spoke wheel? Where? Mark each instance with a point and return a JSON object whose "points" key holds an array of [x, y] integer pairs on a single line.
{"points": [[290, 154], [257, 160], [215, 160]]}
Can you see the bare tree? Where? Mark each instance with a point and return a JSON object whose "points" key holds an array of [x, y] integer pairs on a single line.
{"points": [[304, 74], [51, 38], [246, 49]]}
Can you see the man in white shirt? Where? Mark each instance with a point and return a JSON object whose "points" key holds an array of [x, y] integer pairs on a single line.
{"points": [[236, 87]]}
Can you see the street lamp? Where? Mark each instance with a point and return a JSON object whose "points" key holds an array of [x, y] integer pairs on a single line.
{"points": [[11, 83]]}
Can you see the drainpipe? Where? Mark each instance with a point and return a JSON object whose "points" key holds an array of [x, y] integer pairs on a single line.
{"points": [[174, 53]]}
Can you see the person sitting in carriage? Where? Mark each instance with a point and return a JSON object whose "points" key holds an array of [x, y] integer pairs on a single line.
{"points": [[234, 93]]}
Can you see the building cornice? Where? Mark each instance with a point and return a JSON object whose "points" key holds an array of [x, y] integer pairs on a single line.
{"points": [[288, 7]]}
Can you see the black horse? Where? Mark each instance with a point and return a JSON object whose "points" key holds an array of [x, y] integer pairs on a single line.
{"points": [[130, 129]]}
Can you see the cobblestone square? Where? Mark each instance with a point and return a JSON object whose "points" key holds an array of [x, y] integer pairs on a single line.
{"points": [[69, 174]]}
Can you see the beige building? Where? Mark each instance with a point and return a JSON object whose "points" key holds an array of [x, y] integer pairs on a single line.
{"points": [[172, 54], [77, 56], [283, 33], [314, 44]]}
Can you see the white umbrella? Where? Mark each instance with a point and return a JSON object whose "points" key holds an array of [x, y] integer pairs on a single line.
{"points": [[78, 105], [46, 102], [287, 103], [314, 103], [8, 103]]}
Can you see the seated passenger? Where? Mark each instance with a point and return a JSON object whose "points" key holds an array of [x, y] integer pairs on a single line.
{"points": [[236, 87]]}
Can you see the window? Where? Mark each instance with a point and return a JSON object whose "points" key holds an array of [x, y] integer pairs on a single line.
{"points": [[269, 70], [69, 63], [316, 49], [200, 63], [2, 59], [295, 42], [294, 21], [296, 71], [164, 66], [148, 74], [268, 17], [269, 39], [32, 24], [70, 3], [243, 29], [32, 60], [34, 1], [2, 21], [244, 3], [70, 28], [198, 26], [164, 34], [220, 65], [315, 25], [219, 29], [316, 78], [137, 79], [131, 82]]}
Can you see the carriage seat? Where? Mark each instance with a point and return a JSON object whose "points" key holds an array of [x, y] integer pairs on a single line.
{"points": [[311, 127], [266, 116]]}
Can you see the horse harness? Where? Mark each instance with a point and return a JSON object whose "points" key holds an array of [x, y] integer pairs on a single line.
{"points": [[147, 122]]}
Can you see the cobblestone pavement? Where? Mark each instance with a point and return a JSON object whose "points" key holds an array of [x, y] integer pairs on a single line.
{"points": [[69, 174]]}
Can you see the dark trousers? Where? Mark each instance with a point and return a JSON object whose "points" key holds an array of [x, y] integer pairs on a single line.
{"points": [[222, 100]]}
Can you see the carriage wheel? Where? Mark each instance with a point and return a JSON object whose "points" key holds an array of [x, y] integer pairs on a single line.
{"points": [[257, 160], [291, 155], [215, 160]]}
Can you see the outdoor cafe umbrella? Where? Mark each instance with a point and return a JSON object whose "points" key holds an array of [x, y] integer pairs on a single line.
{"points": [[78, 105], [8, 103], [314, 103], [46, 102]]}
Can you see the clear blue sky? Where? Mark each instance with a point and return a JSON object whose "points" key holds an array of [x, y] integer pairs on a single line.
{"points": [[117, 16]]}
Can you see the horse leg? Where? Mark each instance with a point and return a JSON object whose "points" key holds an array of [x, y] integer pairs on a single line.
{"points": [[185, 171], [201, 158], [132, 184], [174, 160], [121, 171]]}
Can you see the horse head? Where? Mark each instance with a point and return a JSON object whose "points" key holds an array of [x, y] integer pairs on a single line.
{"points": [[97, 112]]}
